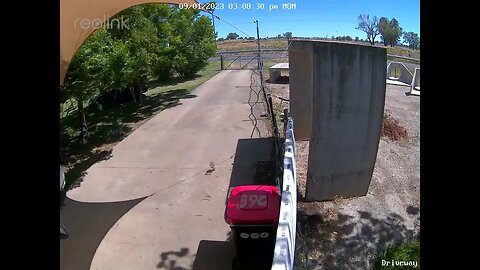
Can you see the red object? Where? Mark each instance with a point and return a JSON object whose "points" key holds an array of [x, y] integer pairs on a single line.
{"points": [[253, 205]]}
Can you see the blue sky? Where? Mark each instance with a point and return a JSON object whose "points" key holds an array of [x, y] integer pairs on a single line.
{"points": [[319, 18]]}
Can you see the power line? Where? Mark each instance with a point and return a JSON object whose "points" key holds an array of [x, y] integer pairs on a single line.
{"points": [[220, 19]]}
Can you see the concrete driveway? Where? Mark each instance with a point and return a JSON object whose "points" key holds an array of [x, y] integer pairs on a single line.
{"points": [[158, 202]]}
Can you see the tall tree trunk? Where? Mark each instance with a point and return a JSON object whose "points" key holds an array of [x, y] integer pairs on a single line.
{"points": [[140, 93], [132, 93], [82, 121]]}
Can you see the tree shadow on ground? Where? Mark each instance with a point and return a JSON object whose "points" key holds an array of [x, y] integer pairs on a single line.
{"points": [[77, 173], [347, 242], [169, 259], [280, 80], [109, 126]]}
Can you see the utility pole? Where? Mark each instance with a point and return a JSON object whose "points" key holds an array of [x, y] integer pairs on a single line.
{"points": [[260, 68], [213, 22], [258, 53]]}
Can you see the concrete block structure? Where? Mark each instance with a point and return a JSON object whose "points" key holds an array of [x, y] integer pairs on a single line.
{"points": [[398, 74], [337, 98], [300, 57], [415, 88], [275, 71]]}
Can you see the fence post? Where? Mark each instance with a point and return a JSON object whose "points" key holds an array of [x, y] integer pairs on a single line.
{"points": [[285, 119], [221, 61]]}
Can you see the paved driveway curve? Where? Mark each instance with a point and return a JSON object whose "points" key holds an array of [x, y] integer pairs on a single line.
{"points": [[170, 200]]}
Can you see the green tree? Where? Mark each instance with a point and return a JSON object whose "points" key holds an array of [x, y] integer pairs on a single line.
{"points": [[162, 52], [159, 42], [412, 39], [232, 35], [390, 31], [383, 26], [288, 35], [142, 47], [394, 33], [84, 78], [370, 27], [193, 40]]}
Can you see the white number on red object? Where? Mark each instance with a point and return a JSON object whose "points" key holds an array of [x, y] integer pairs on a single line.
{"points": [[253, 201], [262, 200], [243, 200]]}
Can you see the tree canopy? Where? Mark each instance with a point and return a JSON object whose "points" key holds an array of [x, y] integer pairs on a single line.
{"points": [[369, 26], [232, 35], [158, 42], [412, 39], [390, 31], [287, 35]]}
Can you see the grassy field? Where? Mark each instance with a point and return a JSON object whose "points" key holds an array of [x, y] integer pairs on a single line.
{"points": [[405, 252], [240, 44], [110, 125]]}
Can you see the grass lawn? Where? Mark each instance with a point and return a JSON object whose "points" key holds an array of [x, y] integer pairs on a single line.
{"points": [[406, 252], [239, 44], [112, 124]]}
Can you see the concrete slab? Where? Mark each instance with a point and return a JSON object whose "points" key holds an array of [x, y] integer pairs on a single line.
{"points": [[415, 92], [397, 71], [415, 88], [338, 94], [281, 66], [172, 220], [275, 71], [395, 82]]}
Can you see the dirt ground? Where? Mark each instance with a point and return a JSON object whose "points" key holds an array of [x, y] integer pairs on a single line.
{"points": [[348, 233]]}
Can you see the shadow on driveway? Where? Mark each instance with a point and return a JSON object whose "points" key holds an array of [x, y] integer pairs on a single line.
{"points": [[253, 164], [87, 224], [213, 255]]}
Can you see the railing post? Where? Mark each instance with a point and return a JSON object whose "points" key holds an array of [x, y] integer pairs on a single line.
{"points": [[285, 119]]}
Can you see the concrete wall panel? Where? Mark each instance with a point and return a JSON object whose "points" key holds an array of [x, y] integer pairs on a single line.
{"points": [[301, 87], [347, 102]]}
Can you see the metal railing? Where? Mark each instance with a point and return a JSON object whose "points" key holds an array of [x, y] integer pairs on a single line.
{"points": [[251, 51], [403, 57], [273, 50], [284, 253]]}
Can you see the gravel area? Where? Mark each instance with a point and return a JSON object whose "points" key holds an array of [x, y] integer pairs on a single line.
{"points": [[348, 233]]}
